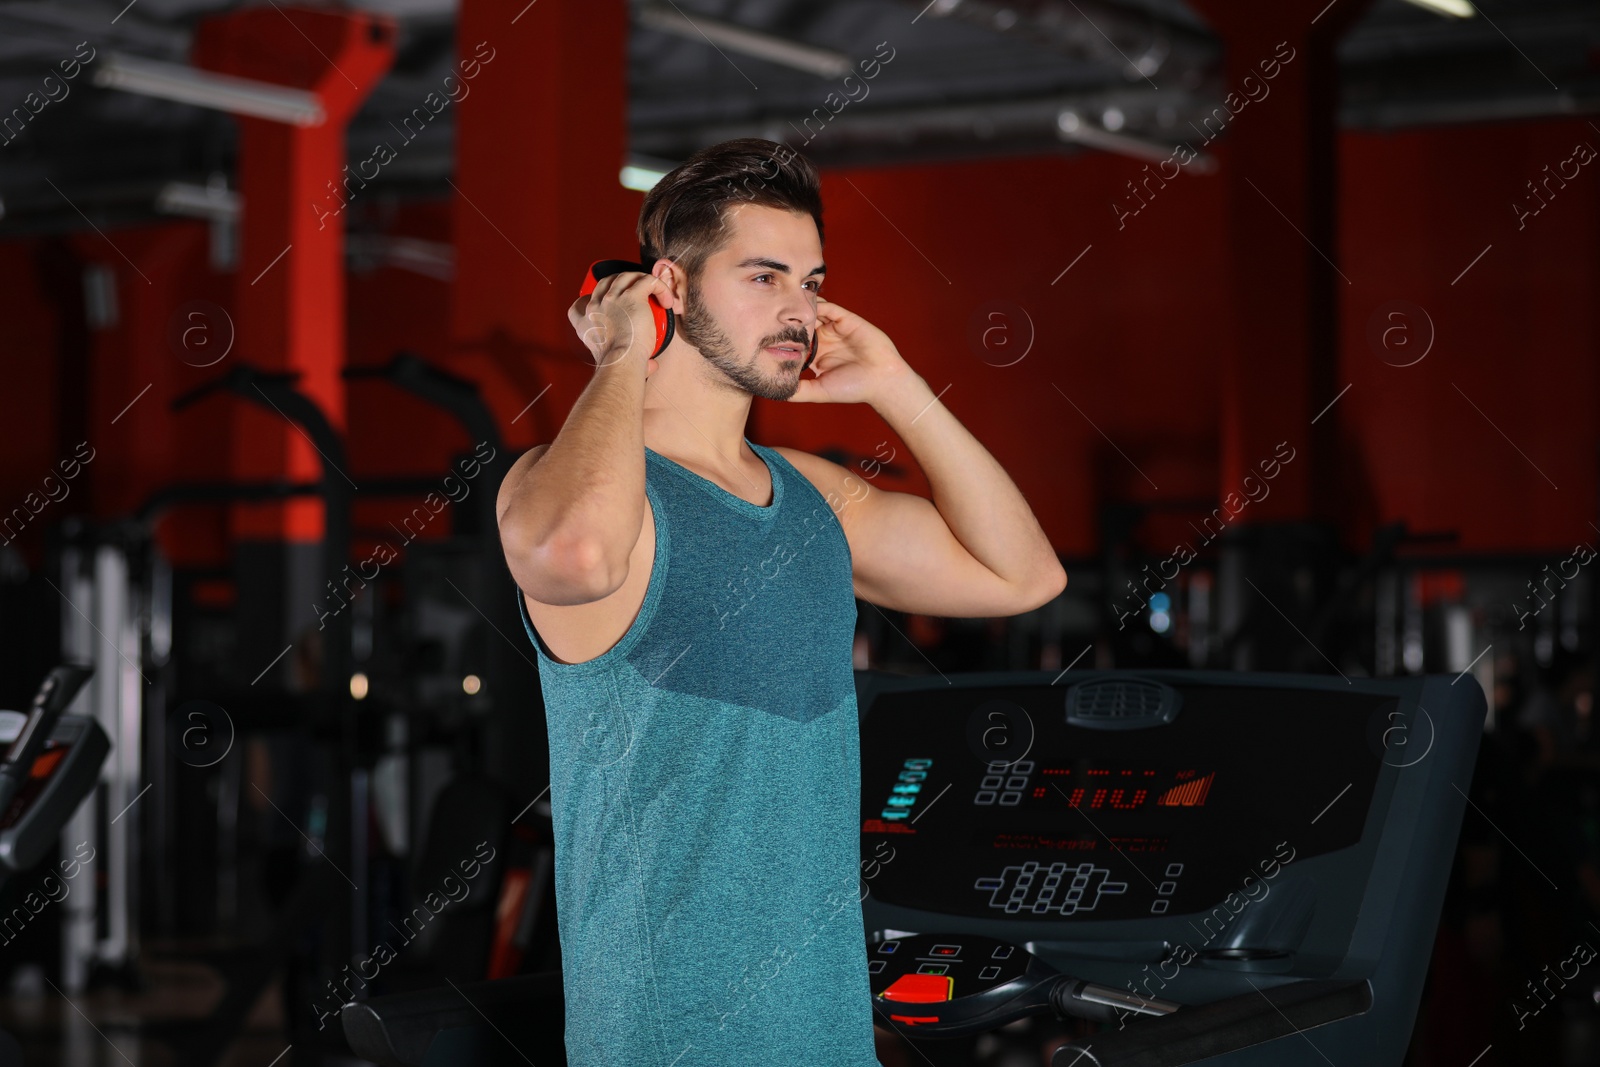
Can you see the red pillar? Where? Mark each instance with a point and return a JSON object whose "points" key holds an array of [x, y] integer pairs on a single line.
{"points": [[289, 293], [1279, 162], [540, 141]]}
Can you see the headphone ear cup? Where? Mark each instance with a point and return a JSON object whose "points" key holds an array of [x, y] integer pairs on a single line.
{"points": [[666, 328]]}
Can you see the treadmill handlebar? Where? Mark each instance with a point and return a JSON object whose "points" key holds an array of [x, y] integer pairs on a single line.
{"points": [[1090, 1000], [1223, 1026]]}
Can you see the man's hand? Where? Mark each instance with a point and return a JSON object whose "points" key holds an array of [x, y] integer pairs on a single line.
{"points": [[615, 321], [856, 362]]}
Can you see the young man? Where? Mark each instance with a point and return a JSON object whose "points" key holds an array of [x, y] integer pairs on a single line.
{"points": [[692, 598]]}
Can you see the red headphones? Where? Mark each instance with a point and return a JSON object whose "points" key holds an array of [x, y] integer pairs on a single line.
{"points": [[666, 321]]}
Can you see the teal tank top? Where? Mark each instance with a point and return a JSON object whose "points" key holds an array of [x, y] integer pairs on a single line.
{"points": [[705, 793]]}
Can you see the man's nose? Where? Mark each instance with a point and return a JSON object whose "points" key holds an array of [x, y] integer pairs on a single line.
{"points": [[805, 315]]}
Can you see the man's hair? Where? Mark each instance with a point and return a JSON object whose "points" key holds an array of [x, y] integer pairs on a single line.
{"points": [[683, 214]]}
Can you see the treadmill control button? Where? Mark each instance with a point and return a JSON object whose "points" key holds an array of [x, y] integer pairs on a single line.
{"points": [[875, 966], [888, 947], [989, 972], [920, 988], [1002, 953], [945, 950]]}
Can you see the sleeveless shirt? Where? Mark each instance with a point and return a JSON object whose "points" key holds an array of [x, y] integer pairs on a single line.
{"points": [[705, 794]]}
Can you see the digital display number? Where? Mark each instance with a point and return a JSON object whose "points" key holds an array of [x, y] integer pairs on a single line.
{"points": [[1009, 784], [907, 787]]}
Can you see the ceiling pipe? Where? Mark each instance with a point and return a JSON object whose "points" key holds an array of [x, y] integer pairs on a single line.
{"points": [[203, 88], [1139, 44], [823, 62], [1071, 126], [1077, 119]]}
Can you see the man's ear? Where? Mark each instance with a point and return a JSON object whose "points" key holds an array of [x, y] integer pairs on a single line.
{"points": [[676, 282]]}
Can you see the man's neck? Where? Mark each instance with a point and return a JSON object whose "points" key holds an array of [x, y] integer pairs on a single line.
{"points": [[702, 425]]}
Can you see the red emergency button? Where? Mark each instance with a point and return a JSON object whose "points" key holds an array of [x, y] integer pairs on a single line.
{"points": [[920, 988]]}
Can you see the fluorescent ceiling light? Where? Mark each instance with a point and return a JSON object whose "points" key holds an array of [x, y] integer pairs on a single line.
{"points": [[640, 178], [1461, 9], [215, 202], [204, 88]]}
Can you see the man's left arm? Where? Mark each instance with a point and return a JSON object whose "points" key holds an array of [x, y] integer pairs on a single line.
{"points": [[975, 550]]}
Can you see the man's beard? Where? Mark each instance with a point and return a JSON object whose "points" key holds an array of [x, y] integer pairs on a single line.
{"points": [[701, 330]]}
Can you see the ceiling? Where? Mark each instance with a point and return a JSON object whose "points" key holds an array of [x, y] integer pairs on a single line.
{"points": [[967, 80]]}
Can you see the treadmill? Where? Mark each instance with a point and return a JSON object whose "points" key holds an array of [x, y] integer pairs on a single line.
{"points": [[51, 763], [1240, 870]]}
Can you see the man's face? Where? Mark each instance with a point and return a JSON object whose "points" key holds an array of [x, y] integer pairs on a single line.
{"points": [[758, 291]]}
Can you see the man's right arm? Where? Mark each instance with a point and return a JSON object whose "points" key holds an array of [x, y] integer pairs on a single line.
{"points": [[570, 512]]}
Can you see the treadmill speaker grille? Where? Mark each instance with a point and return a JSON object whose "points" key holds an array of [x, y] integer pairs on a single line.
{"points": [[1121, 704]]}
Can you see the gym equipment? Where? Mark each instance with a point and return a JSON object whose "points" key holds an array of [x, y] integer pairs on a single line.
{"points": [[321, 894], [323, 905], [1245, 869], [1268, 850], [999, 982], [100, 609], [52, 762]]}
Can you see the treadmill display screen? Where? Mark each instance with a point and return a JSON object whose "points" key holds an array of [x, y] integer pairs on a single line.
{"points": [[1100, 824], [44, 765]]}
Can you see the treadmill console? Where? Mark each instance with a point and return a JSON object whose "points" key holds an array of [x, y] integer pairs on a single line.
{"points": [[32, 785], [1049, 804]]}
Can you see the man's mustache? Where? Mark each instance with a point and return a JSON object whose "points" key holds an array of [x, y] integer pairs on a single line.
{"points": [[804, 340]]}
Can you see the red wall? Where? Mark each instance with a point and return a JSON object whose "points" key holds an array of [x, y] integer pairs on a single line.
{"points": [[1123, 335], [1516, 335], [1127, 334]]}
